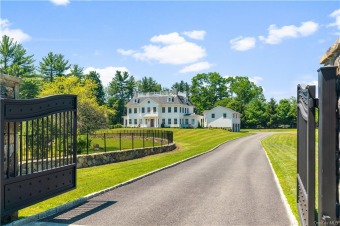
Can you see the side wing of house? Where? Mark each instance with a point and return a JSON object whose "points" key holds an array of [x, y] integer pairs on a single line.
{"points": [[221, 117], [218, 117]]}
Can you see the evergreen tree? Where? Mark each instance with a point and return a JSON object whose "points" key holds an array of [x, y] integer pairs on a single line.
{"points": [[53, 65], [120, 91], [99, 90], [181, 86], [271, 113], [77, 71], [148, 84], [14, 59]]}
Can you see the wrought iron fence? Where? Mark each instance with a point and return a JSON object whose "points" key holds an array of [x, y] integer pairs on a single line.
{"points": [[37, 148], [122, 139]]}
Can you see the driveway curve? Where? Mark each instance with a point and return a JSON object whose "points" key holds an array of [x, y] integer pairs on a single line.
{"points": [[232, 185]]}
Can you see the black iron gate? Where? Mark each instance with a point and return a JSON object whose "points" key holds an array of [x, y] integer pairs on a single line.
{"points": [[306, 153], [37, 150], [328, 173]]}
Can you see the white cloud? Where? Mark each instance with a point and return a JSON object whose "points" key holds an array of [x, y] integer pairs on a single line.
{"points": [[17, 34], [276, 35], [126, 52], [336, 15], [198, 35], [242, 44], [172, 38], [172, 49], [60, 2], [106, 74], [255, 79], [196, 67]]}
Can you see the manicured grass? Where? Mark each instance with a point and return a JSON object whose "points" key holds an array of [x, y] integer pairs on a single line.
{"points": [[89, 180], [281, 150], [288, 130]]}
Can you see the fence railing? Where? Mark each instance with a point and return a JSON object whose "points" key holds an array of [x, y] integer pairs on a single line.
{"points": [[121, 140]]}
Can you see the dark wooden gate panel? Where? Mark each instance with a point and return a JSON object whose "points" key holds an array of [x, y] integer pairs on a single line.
{"points": [[37, 150], [306, 154]]}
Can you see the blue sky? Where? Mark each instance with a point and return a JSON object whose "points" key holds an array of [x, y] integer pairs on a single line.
{"points": [[276, 44]]}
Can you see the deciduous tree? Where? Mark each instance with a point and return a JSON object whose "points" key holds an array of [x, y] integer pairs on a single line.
{"points": [[254, 114], [207, 89], [91, 116]]}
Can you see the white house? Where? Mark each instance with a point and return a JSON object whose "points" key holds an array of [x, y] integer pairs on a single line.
{"points": [[222, 117], [168, 109]]}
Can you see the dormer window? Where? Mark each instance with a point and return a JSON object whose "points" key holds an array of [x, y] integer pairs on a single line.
{"points": [[136, 100]]}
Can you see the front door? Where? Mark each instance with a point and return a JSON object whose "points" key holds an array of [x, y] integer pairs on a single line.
{"points": [[152, 123]]}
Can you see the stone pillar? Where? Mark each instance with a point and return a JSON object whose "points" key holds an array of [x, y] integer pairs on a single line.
{"points": [[9, 89]]}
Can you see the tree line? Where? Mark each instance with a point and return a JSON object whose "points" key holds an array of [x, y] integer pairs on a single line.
{"points": [[101, 106]]}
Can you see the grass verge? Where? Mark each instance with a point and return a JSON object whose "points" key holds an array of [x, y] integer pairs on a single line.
{"points": [[281, 150], [89, 180]]}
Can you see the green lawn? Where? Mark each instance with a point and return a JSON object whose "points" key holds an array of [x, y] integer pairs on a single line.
{"points": [[89, 180], [281, 150], [288, 130]]}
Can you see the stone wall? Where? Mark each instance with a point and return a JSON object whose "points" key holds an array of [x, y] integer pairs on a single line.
{"points": [[97, 159]]}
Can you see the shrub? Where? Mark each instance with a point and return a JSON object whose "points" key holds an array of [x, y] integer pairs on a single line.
{"points": [[81, 144]]}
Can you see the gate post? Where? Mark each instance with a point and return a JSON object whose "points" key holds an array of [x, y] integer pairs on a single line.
{"points": [[328, 144], [9, 89]]}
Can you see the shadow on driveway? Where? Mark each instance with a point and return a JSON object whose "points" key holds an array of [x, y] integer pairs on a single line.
{"points": [[79, 212]]}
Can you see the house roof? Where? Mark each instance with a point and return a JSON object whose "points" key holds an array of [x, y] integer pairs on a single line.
{"points": [[193, 115], [160, 99], [228, 109]]}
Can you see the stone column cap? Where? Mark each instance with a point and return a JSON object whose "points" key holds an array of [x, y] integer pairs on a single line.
{"points": [[10, 78], [332, 53]]}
